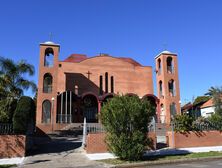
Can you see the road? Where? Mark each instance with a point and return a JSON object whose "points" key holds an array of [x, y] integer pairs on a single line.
{"points": [[200, 164]]}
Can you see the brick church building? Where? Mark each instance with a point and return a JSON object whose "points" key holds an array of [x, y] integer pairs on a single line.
{"points": [[77, 87]]}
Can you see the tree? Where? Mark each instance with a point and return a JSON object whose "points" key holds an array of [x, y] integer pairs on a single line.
{"points": [[216, 94], [201, 99], [126, 121], [183, 123], [12, 84], [24, 116]]}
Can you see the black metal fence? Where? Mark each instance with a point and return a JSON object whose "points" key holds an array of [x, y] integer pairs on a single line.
{"points": [[197, 127], [6, 128]]}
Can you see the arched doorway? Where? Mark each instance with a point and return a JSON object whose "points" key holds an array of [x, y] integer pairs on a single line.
{"points": [[107, 97], [90, 107], [153, 101]]}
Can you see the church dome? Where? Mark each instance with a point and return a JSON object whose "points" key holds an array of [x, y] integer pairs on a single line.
{"points": [[49, 42], [165, 52]]}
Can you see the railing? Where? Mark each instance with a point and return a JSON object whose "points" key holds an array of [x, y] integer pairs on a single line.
{"points": [[197, 127], [6, 128], [95, 128], [64, 118]]}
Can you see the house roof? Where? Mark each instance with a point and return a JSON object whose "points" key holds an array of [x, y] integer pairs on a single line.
{"points": [[208, 103], [77, 58], [187, 107]]}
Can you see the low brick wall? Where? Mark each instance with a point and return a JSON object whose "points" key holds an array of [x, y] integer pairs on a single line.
{"points": [[12, 146], [194, 139], [95, 142]]}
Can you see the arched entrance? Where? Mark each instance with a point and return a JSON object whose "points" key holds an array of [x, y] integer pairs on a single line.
{"points": [[154, 101], [106, 97], [90, 107]]}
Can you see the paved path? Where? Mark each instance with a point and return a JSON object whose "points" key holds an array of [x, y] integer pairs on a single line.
{"points": [[61, 152], [201, 164]]}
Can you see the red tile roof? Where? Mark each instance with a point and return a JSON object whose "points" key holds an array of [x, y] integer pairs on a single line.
{"points": [[208, 103], [76, 58]]}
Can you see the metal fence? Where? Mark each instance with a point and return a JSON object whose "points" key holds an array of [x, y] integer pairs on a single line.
{"points": [[197, 127], [95, 128], [6, 128]]}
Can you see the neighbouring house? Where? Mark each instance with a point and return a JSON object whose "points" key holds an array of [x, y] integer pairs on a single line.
{"points": [[207, 109], [77, 87]]}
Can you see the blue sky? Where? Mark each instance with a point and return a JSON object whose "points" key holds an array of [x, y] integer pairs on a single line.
{"points": [[139, 29]]}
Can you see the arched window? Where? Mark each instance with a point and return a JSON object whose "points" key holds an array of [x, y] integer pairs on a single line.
{"points": [[173, 110], [106, 82], [100, 84], [170, 65], [161, 88], [47, 83], [49, 56], [46, 111], [171, 86], [159, 66], [112, 84], [162, 114]]}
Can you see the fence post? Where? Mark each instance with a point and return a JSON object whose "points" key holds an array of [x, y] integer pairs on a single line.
{"points": [[84, 133], [173, 140]]}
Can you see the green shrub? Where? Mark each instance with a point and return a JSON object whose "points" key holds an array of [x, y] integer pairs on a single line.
{"points": [[126, 121], [7, 108], [183, 123], [24, 115], [216, 121]]}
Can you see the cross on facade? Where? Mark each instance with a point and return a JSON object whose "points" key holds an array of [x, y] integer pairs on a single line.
{"points": [[88, 73]]}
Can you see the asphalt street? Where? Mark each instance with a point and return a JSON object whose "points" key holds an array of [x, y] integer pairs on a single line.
{"points": [[200, 164]]}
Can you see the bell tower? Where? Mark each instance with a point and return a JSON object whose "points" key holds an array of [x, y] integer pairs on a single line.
{"points": [[167, 86], [47, 85]]}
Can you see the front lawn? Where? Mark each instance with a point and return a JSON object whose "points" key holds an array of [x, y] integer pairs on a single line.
{"points": [[164, 158]]}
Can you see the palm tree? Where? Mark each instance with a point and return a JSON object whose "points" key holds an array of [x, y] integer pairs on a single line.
{"points": [[213, 91], [216, 94], [12, 85], [12, 78]]}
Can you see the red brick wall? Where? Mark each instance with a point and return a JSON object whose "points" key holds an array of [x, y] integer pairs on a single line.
{"points": [[195, 139], [12, 146], [96, 142]]}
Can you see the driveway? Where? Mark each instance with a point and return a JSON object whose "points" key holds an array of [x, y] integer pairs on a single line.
{"points": [[60, 152]]}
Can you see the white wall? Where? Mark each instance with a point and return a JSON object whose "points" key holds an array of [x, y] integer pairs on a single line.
{"points": [[206, 112]]}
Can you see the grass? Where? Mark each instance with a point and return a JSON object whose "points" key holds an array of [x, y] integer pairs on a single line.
{"points": [[164, 158], [7, 166]]}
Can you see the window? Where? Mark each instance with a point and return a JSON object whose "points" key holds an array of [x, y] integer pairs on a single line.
{"points": [[49, 56], [159, 66], [112, 84], [170, 65], [100, 84], [173, 110], [171, 86], [106, 82], [46, 111], [161, 88], [47, 83]]}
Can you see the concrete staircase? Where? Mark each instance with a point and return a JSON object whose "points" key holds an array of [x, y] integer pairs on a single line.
{"points": [[74, 130], [161, 130]]}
